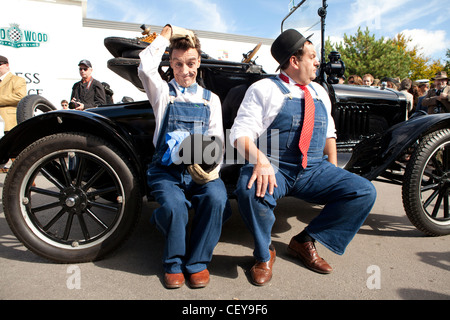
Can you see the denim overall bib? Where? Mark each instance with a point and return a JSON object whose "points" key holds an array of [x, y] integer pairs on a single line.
{"points": [[287, 126], [348, 197], [183, 116], [174, 190]]}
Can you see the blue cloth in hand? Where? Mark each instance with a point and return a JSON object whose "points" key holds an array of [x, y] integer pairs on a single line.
{"points": [[173, 141]]}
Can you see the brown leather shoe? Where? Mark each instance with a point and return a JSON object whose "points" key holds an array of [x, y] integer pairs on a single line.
{"points": [[307, 253], [199, 279], [261, 272], [173, 280]]}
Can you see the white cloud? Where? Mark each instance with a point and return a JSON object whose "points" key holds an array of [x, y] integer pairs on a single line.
{"points": [[371, 13], [430, 42]]}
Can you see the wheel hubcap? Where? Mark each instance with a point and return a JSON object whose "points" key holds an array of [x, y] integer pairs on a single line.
{"points": [[73, 197]]}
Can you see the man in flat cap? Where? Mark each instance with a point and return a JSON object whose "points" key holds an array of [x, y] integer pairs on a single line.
{"points": [[12, 89], [88, 92], [437, 100], [297, 112]]}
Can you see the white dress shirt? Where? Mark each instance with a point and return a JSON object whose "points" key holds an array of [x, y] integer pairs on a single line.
{"points": [[262, 103], [4, 76], [158, 90]]}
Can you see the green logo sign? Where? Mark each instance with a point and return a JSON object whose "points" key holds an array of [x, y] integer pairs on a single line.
{"points": [[17, 38]]}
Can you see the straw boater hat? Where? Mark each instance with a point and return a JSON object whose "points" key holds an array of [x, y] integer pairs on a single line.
{"points": [[440, 75]]}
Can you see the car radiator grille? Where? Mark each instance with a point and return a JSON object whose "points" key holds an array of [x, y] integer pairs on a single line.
{"points": [[352, 122]]}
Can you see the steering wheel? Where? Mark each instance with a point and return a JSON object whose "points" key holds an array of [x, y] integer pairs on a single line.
{"points": [[248, 57]]}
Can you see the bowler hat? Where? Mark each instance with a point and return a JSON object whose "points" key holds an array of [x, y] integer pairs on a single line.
{"points": [[440, 75], [286, 45]]}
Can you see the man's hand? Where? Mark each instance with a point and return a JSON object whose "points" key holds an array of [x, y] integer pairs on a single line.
{"points": [[263, 172], [264, 176], [79, 105], [167, 31], [443, 96]]}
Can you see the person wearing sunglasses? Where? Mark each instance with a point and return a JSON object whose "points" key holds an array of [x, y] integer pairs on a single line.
{"points": [[88, 92]]}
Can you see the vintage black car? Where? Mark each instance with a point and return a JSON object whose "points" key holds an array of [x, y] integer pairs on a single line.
{"points": [[75, 189]]}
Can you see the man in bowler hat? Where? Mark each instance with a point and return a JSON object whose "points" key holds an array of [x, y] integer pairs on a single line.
{"points": [[295, 110]]}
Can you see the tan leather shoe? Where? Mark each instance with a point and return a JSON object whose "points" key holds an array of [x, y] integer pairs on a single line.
{"points": [[199, 279], [173, 280], [261, 272], [307, 253]]}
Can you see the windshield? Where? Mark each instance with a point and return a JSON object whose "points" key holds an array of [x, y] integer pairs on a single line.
{"points": [[306, 20]]}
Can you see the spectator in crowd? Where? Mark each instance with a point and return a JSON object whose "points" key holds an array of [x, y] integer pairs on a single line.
{"points": [[355, 79], [12, 89], [404, 88], [422, 90], [368, 79], [438, 100], [64, 104], [108, 92], [414, 90], [89, 92], [391, 83]]}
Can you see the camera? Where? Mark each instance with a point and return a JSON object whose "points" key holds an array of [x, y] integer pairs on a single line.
{"points": [[73, 105], [335, 68]]}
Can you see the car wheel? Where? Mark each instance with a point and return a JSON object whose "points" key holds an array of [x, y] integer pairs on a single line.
{"points": [[31, 106], [71, 198], [426, 186]]}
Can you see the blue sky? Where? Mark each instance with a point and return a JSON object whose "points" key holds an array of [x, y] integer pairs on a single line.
{"points": [[426, 22]]}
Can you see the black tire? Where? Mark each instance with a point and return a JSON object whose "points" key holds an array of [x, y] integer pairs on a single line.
{"points": [[71, 198], [427, 185], [32, 105]]}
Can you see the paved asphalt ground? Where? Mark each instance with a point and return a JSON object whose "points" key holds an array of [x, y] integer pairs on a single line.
{"points": [[387, 260]]}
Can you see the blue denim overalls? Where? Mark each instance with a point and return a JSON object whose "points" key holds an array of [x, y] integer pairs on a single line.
{"points": [[174, 190], [348, 197]]}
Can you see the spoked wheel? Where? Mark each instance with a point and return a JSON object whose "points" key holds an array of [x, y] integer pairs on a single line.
{"points": [[71, 198], [426, 187]]}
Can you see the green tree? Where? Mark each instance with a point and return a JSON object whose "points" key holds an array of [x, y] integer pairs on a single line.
{"points": [[419, 66], [362, 54], [437, 65], [447, 64]]}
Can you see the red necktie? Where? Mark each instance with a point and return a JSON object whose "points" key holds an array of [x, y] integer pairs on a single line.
{"points": [[308, 122]]}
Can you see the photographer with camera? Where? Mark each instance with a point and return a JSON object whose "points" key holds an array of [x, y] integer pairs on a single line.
{"points": [[87, 93]]}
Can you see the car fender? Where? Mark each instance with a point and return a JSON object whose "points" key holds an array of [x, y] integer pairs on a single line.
{"points": [[64, 121], [373, 155]]}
